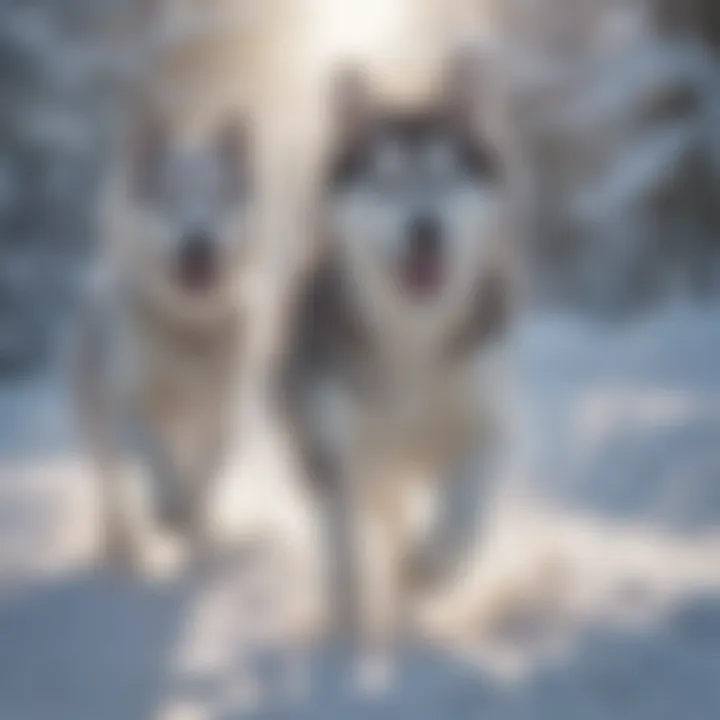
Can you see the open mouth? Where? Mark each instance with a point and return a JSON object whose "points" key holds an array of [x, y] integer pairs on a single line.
{"points": [[423, 274], [197, 275]]}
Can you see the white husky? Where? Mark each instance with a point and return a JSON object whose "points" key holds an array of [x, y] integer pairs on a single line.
{"points": [[161, 329]]}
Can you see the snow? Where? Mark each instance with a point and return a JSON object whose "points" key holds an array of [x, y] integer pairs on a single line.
{"points": [[604, 598]]}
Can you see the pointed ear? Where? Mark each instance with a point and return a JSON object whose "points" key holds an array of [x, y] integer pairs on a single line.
{"points": [[351, 104], [233, 154], [461, 87], [149, 145]]}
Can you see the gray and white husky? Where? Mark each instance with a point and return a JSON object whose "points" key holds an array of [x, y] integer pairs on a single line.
{"points": [[161, 329], [395, 379]]}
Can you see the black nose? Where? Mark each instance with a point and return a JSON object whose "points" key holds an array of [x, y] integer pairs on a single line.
{"points": [[198, 247], [425, 234]]}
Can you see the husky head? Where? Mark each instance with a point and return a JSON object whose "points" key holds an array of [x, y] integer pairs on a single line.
{"points": [[411, 199], [188, 215]]}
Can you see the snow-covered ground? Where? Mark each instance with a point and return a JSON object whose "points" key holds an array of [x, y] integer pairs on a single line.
{"points": [[605, 604]]}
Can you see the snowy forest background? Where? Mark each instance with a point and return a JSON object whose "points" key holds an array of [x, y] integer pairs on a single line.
{"points": [[603, 585], [615, 110]]}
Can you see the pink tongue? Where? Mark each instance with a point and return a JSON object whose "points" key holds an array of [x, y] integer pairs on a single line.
{"points": [[423, 275], [197, 277]]}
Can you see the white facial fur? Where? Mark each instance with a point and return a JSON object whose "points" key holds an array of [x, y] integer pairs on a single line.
{"points": [[370, 220], [179, 191]]}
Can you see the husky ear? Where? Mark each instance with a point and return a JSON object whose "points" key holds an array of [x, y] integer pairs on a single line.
{"points": [[233, 155], [461, 87], [148, 153], [351, 104]]}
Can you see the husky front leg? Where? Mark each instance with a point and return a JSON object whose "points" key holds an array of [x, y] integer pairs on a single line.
{"points": [[339, 537], [363, 551], [120, 509], [118, 486], [137, 479], [455, 534], [381, 535], [200, 483], [123, 474], [167, 493], [362, 523], [454, 578], [322, 414]]}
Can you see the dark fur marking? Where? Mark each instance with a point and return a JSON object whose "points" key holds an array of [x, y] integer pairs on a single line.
{"points": [[477, 157], [488, 319], [326, 330], [326, 336]]}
